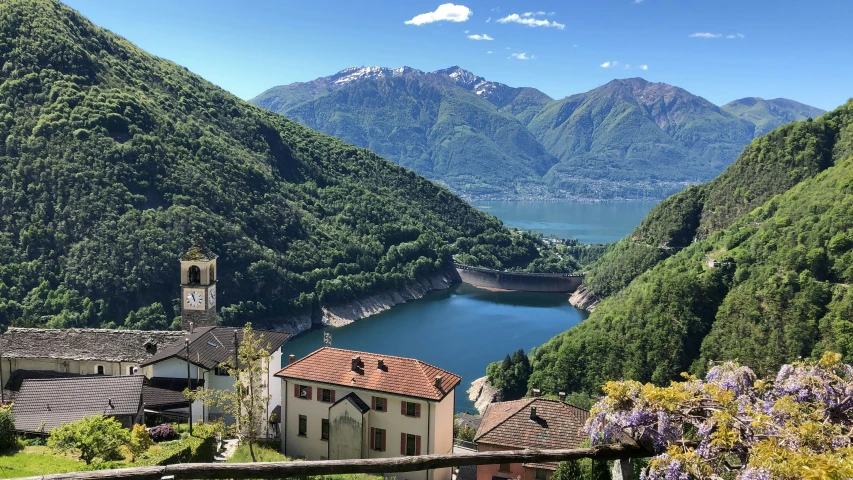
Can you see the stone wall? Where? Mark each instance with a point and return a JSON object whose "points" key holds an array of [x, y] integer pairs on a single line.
{"points": [[518, 281]]}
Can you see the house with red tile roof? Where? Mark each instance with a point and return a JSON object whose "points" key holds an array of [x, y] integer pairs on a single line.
{"points": [[528, 423], [345, 404]]}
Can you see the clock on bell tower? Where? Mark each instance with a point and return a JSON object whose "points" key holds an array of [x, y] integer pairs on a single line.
{"points": [[198, 287]]}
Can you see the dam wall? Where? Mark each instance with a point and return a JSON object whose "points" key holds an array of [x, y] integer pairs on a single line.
{"points": [[524, 282]]}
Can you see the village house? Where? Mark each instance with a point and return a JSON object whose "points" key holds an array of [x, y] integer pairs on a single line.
{"points": [[43, 404], [528, 423], [207, 348], [345, 404]]}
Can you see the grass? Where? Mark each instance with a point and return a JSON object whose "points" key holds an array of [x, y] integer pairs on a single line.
{"points": [[33, 461], [269, 453]]}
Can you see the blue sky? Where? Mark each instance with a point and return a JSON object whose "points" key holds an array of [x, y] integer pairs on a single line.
{"points": [[782, 48]]}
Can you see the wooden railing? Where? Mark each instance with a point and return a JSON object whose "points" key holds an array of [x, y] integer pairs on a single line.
{"points": [[335, 467]]}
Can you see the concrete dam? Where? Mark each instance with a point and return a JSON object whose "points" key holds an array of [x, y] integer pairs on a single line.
{"points": [[519, 281]]}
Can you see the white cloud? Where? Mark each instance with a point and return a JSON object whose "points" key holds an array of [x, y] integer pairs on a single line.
{"points": [[522, 56], [627, 66], [467, 32], [638, 1], [529, 21], [551, 14], [527, 14], [489, 52], [705, 35], [609, 64], [488, 19], [644, 67], [735, 35], [445, 12], [480, 37]]}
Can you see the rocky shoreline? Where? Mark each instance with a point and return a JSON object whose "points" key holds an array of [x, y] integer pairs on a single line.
{"points": [[346, 313], [584, 299], [482, 393]]}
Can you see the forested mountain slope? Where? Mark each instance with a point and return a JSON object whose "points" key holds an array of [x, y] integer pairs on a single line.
{"points": [[781, 289], [447, 125], [769, 114], [633, 131], [111, 160], [770, 165]]}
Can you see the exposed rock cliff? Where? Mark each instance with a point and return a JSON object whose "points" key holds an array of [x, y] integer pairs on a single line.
{"points": [[482, 393], [584, 299], [346, 313]]}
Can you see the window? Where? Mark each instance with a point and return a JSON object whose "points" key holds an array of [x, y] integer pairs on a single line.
{"points": [[380, 404], [303, 426], [410, 444], [302, 391], [221, 371], [212, 274], [504, 467], [324, 429], [130, 370], [541, 474], [99, 370], [377, 439], [326, 395], [410, 409]]}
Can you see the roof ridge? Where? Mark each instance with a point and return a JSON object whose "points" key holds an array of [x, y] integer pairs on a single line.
{"points": [[528, 402], [420, 362], [111, 330]]}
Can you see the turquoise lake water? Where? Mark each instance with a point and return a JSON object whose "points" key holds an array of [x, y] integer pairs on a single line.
{"points": [[463, 329]]}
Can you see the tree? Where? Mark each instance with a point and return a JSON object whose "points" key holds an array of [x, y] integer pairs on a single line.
{"points": [[797, 426], [92, 437], [140, 441], [246, 402]]}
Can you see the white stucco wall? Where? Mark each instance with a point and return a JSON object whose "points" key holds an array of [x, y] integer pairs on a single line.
{"points": [[83, 367], [435, 426]]}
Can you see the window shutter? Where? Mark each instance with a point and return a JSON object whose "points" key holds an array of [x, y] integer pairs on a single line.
{"points": [[402, 443], [402, 408], [309, 392], [296, 390], [373, 403], [417, 444], [332, 396], [384, 440], [319, 394], [372, 438], [417, 410]]}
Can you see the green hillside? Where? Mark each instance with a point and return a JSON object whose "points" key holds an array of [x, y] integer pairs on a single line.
{"points": [[780, 223], [631, 132], [429, 124], [111, 160], [769, 114]]}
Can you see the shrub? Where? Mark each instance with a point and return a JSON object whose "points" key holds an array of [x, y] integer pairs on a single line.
{"points": [[162, 433], [140, 441], [200, 447], [92, 437], [8, 441]]}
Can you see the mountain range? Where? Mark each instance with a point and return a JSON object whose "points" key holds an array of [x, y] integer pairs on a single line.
{"points": [[627, 139]]}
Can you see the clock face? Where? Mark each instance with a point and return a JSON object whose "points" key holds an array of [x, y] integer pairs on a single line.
{"points": [[211, 297], [194, 298]]}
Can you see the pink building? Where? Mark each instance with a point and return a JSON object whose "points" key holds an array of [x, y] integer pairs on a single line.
{"points": [[528, 423]]}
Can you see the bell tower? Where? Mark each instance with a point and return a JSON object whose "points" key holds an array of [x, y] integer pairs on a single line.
{"points": [[198, 286]]}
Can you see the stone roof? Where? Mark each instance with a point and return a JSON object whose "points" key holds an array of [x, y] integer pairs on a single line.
{"points": [[16, 379], [199, 252], [511, 424], [399, 375], [44, 404], [210, 346], [95, 344], [465, 419]]}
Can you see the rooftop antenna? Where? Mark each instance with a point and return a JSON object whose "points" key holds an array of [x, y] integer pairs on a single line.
{"points": [[327, 339]]}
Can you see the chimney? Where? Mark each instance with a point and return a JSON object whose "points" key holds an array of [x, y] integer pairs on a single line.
{"points": [[191, 327], [562, 396], [533, 413], [380, 364], [438, 381], [356, 361], [291, 359], [535, 392]]}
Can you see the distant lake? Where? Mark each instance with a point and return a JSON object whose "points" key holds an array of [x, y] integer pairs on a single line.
{"points": [[601, 222], [463, 329]]}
